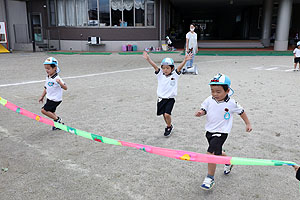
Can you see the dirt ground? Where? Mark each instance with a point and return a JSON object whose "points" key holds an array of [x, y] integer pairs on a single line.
{"points": [[115, 96]]}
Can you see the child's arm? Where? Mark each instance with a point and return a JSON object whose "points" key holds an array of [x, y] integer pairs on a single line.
{"points": [[186, 58], [200, 113], [247, 122], [41, 99], [147, 57], [63, 86], [187, 45]]}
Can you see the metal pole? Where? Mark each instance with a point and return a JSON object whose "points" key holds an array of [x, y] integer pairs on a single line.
{"points": [[160, 22], [31, 26]]}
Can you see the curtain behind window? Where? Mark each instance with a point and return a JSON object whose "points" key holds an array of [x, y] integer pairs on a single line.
{"points": [[61, 13], [81, 13], [150, 13], [70, 13]]}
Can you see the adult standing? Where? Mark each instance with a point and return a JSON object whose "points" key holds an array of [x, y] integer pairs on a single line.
{"points": [[191, 46]]}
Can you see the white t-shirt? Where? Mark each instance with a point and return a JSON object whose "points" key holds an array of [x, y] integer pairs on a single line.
{"points": [[54, 90], [167, 85], [216, 114], [297, 52], [192, 41]]}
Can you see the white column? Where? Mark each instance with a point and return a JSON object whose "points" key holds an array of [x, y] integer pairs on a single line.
{"points": [[267, 21], [283, 25]]}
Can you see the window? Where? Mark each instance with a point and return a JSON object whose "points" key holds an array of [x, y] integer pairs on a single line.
{"points": [[52, 18], [139, 12], [124, 13], [93, 12], [70, 13], [61, 12], [150, 13], [128, 12], [104, 18], [81, 13]]}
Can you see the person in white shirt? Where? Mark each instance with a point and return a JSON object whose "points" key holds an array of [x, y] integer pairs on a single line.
{"points": [[52, 90], [167, 79], [191, 46], [219, 109], [297, 57]]}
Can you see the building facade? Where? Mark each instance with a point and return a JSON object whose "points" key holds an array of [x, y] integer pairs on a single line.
{"points": [[67, 24]]}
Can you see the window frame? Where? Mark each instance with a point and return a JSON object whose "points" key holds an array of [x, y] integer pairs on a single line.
{"points": [[98, 15]]}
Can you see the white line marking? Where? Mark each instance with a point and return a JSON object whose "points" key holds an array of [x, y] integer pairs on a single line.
{"points": [[273, 68], [289, 70], [72, 77], [258, 68]]}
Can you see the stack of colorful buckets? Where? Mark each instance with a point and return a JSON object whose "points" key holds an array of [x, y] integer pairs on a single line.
{"points": [[129, 47]]}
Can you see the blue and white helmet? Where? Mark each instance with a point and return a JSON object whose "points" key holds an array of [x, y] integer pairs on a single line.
{"points": [[50, 61], [298, 43], [167, 61], [221, 79]]}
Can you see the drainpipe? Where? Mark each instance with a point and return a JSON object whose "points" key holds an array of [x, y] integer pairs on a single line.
{"points": [[160, 23]]}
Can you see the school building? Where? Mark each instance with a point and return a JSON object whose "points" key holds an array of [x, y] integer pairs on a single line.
{"points": [[68, 24]]}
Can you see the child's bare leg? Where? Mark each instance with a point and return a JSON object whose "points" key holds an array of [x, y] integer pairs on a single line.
{"points": [[223, 153], [295, 66], [211, 167], [167, 119], [49, 114]]}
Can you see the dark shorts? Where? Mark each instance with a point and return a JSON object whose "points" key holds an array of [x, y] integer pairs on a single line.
{"points": [[165, 106], [215, 141], [297, 60], [51, 105]]}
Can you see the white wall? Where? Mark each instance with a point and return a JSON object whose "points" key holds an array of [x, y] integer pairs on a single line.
{"points": [[75, 45], [2, 11]]}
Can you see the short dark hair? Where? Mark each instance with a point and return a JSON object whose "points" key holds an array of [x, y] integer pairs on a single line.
{"points": [[172, 66], [52, 65], [225, 87]]}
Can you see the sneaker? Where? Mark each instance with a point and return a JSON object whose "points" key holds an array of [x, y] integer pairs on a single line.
{"points": [[196, 71], [168, 131], [227, 169], [58, 121], [208, 183]]}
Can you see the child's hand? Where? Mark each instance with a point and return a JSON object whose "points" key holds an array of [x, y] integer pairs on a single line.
{"points": [[188, 56], [200, 113], [41, 99], [146, 55], [248, 128]]}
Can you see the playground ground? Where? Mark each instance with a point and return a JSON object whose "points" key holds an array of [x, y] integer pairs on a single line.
{"points": [[115, 96]]}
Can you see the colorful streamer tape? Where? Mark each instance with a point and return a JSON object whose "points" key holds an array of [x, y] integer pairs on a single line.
{"points": [[178, 154]]}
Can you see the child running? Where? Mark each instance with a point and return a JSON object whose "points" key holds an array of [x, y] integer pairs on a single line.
{"points": [[167, 79], [52, 90], [297, 57], [297, 172], [219, 109]]}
